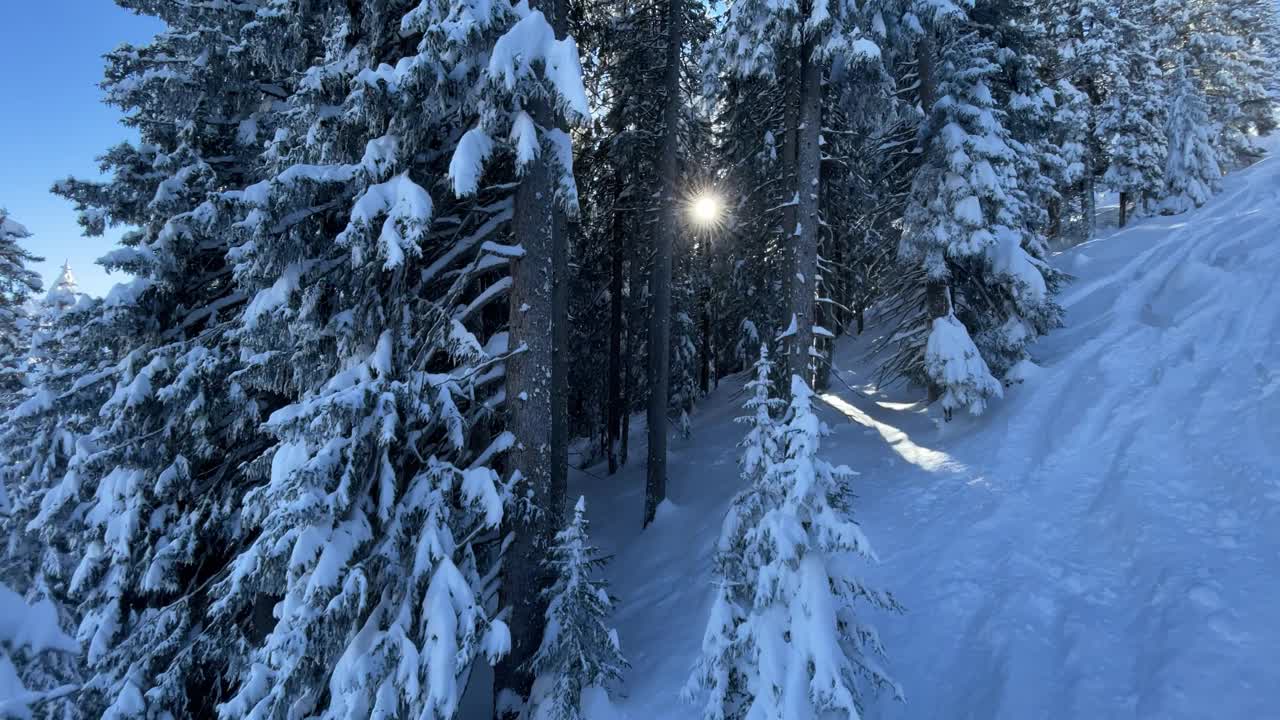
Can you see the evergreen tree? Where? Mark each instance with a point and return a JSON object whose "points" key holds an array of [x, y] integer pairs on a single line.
{"points": [[1192, 173], [1236, 67], [784, 640], [579, 651], [45, 447], [1132, 124], [977, 290], [381, 249], [151, 503], [17, 283]]}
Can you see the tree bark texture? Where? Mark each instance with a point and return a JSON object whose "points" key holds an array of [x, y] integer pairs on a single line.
{"points": [[536, 406], [660, 277], [804, 244]]}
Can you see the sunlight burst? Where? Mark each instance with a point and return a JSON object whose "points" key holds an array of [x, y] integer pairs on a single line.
{"points": [[706, 209]]}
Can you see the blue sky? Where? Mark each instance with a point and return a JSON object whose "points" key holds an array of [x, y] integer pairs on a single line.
{"points": [[53, 124]]}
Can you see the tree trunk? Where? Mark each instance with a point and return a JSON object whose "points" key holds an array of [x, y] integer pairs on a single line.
{"points": [[1124, 208], [705, 345], [789, 77], [804, 246], [537, 414], [655, 490], [613, 417]]}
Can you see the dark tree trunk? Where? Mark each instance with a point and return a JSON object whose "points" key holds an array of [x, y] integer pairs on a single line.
{"points": [[1124, 208], [613, 417], [790, 123], [537, 414], [804, 264], [655, 490]]}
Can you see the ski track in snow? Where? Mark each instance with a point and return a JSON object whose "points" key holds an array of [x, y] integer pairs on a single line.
{"points": [[1103, 543]]}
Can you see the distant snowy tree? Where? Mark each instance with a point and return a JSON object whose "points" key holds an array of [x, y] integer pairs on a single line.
{"points": [[1233, 43], [1132, 128], [46, 451], [1192, 171], [784, 640], [579, 651], [17, 283], [64, 293], [37, 440], [1224, 50], [1130, 122]]}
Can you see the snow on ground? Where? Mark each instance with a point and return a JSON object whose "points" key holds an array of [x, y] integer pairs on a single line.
{"points": [[1104, 543]]}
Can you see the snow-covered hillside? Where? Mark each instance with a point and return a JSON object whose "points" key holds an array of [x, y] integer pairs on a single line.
{"points": [[1104, 543]]}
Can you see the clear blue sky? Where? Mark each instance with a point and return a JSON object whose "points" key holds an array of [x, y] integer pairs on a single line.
{"points": [[53, 123]]}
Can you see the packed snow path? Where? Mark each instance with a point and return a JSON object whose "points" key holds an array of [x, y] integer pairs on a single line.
{"points": [[1104, 543]]}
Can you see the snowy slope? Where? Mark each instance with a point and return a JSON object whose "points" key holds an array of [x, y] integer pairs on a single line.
{"points": [[1104, 543]]}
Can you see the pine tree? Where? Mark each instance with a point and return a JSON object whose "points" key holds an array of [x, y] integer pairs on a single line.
{"points": [[761, 448], [977, 290], [383, 248], [151, 503], [35, 445], [17, 283], [579, 651], [1192, 172], [1132, 126], [45, 448], [784, 640], [1235, 67]]}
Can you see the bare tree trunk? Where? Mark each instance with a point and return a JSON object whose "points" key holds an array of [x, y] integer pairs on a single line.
{"points": [[613, 417], [789, 77], [632, 393], [537, 414], [655, 490], [1124, 208], [804, 265]]}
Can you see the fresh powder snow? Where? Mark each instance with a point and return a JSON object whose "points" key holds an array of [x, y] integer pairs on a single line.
{"points": [[1101, 543]]}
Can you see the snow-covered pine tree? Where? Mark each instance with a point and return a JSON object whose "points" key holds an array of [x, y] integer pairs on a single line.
{"points": [[762, 446], [378, 264], [579, 652], [976, 290], [1204, 52], [784, 639], [1192, 172], [1086, 55], [17, 283], [44, 450], [1236, 69], [1131, 123], [152, 509], [1256, 24], [64, 293]]}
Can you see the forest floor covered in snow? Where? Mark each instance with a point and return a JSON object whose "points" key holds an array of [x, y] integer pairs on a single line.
{"points": [[1104, 542]]}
